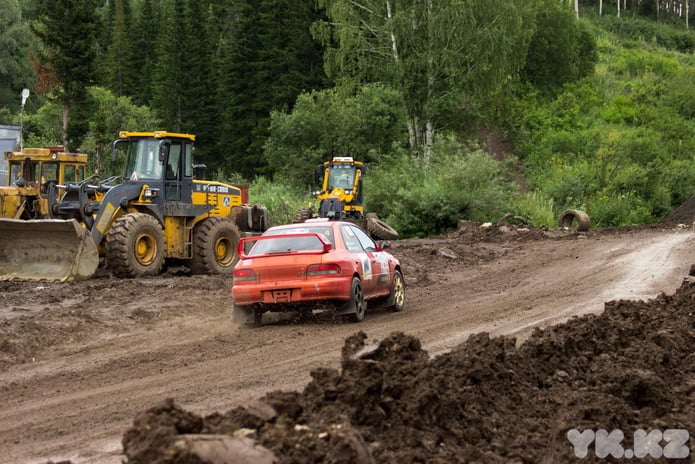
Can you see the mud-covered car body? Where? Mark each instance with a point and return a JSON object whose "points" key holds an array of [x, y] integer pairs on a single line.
{"points": [[319, 264]]}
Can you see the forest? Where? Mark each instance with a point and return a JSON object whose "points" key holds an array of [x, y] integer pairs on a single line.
{"points": [[461, 109]]}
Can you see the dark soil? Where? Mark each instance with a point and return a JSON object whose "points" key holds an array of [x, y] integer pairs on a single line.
{"points": [[630, 368]]}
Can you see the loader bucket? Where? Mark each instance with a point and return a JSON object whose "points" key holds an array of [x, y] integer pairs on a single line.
{"points": [[46, 249]]}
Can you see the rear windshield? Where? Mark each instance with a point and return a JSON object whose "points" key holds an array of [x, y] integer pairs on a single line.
{"points": [[287, 244], [325, 231]]}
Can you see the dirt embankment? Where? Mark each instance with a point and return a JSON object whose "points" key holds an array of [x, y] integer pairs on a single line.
{"points": [[629, 369]]}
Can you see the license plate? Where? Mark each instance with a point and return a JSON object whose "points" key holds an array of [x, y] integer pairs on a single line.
{"points": [[282, 295]]}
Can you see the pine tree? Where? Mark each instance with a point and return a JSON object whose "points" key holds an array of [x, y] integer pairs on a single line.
{"points": [[144, 38], [68, 30], [120, 53], [201, 117], [168, 75], [270, 60]]}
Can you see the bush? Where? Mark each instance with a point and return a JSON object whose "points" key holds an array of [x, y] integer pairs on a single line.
{"points": [[281, 199], [537, 208], [421, 197], [608, 210]]}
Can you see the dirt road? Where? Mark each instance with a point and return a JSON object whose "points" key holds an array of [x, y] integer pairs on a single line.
{"points": [[78, 361]]}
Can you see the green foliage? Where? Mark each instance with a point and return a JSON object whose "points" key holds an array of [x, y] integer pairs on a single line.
{"points": [[561, 49], [616, 210], [119, 61], [15, 68], [641, 30], [68, 29], [111, 115], [535, 207], [268, 59], [330, 123], [618, 144], [436, 54], [44, 127], [420, 197], [282, 199]]}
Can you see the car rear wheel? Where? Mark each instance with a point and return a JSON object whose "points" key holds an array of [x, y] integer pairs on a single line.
{"points": [[396, 299], [357, 305]]}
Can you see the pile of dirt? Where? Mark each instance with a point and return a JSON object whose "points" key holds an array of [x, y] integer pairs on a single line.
{"points": [[684, 214], [489, 400]]}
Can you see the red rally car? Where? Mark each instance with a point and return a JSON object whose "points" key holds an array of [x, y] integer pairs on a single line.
{"points": [[318, 264]]}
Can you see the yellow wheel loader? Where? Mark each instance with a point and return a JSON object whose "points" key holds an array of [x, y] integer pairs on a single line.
{"points": [[159, 212], [30, 172], [340, 196]]}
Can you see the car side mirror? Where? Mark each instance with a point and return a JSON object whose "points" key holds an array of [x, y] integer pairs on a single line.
{"points": [[384, 244]]}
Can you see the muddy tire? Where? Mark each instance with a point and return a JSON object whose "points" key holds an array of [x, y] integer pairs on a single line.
{"points": [[357, 305], [135, 246], [574, 219], [215, 243], [396, 299], [379, 230], [303, 213]]}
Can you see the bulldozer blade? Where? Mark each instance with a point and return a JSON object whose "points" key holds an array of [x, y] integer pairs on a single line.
{"points": [[46, 249]]}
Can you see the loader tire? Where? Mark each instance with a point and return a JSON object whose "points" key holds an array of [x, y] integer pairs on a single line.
{"points": [[215, 243], [135, 246], [303, 213], [379, 230]]}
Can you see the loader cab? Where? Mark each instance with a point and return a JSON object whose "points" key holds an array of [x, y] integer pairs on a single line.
{"points": [[36, 167], [342, 176], [160, 159]]}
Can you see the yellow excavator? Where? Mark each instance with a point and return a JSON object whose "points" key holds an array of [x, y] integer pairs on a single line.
{"points": [[160, 211], [340, 197]]}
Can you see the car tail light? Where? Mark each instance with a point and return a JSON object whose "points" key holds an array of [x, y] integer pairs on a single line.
{"points": [[243, 275], [322, 270]]}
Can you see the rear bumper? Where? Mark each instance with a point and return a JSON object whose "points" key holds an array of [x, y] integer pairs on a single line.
{"points": [[291, 292]]}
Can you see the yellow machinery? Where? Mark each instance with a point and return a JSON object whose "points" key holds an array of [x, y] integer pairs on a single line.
{"points": [[159, 211], [30, 172], [340, 196]]}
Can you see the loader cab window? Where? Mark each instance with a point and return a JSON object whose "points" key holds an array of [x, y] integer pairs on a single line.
{"points": [[49, 171], [188, 160], [341, 177], [25, 173], [15, 172], [173, 162], [173, 170], [72, 173], [143, 159]]}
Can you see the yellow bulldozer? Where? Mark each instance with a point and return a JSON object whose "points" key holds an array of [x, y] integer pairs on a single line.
{"points": [[340, 197], [24, 195], [160, 211]]}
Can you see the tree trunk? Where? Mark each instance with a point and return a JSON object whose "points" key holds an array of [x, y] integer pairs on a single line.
{"points": [[429, 124], [658, 14], [618, 8], [66, 113], [600, 7]]}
